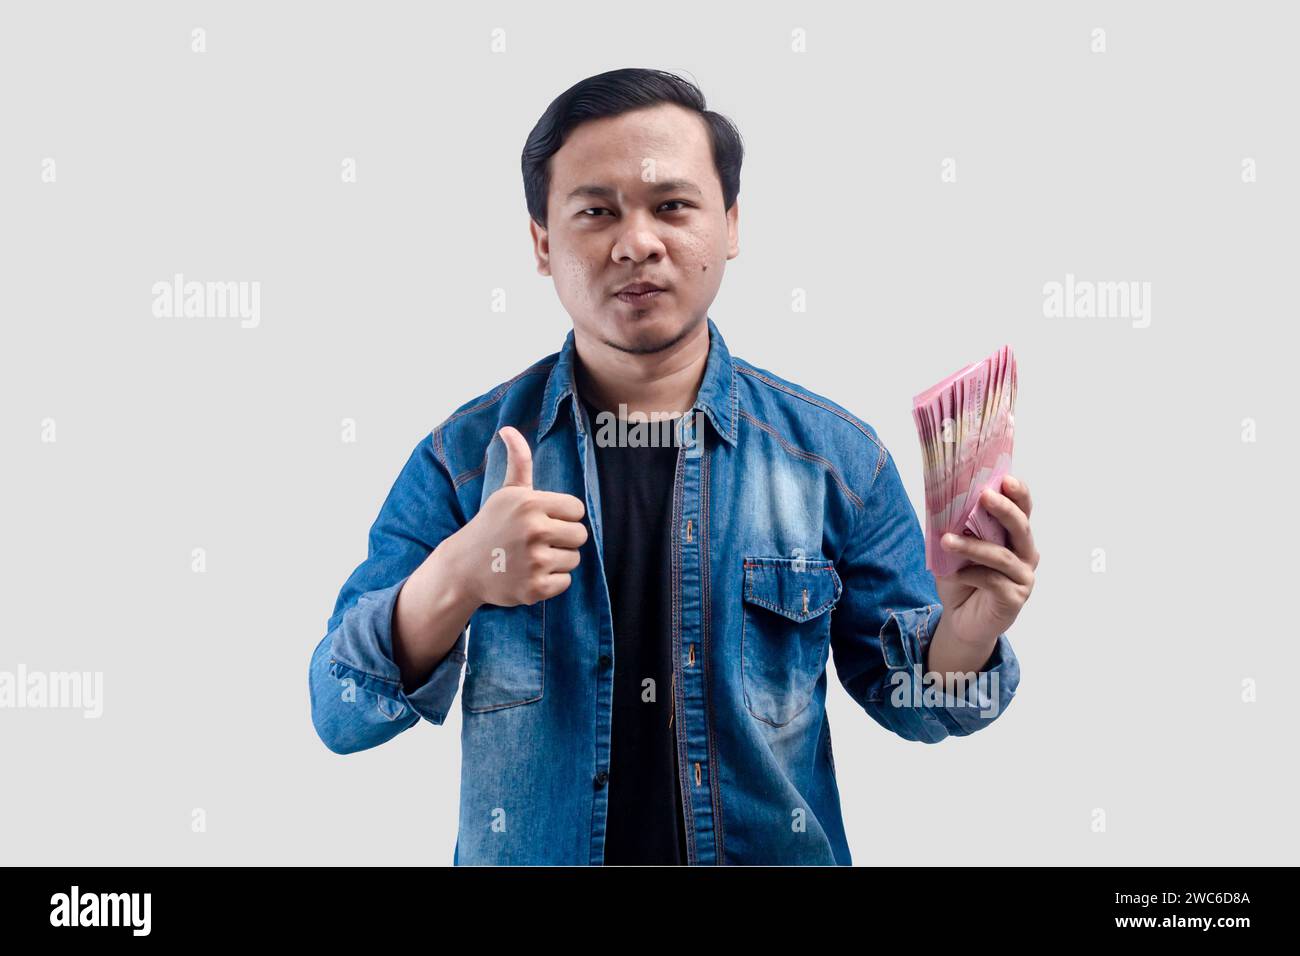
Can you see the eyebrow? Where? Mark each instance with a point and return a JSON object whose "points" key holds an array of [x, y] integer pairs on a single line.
{"points": [[608, 192]]}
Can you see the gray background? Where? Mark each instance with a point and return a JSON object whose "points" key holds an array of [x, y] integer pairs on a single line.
{"points": [[182, 433]]}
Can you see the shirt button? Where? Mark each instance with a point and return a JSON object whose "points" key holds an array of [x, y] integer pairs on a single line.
{"points": [[604, 660], [600, 779]]}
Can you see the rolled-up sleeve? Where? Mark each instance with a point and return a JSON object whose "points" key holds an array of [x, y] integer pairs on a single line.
{"points": [[910, 701], [887, 616], [357, 697]]}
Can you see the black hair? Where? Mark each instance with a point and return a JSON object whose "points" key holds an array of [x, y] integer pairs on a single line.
{"points": [[611, 94]]}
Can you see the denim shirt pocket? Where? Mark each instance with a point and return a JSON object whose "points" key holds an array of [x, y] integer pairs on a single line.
{"points": [[505, 657], [785, 629]]}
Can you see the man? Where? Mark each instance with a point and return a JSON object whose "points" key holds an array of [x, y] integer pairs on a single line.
{"points": [[649, 622]]}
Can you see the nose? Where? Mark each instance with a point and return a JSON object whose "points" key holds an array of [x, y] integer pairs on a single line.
{"points": [[637, 240]]}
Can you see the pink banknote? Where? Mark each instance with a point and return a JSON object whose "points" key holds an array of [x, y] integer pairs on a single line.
{"points": [[966, 426]]}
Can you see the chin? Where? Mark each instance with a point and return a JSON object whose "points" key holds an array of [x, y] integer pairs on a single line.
{"points": [[647, 333]]}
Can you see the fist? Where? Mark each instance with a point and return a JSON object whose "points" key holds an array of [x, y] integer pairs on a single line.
{"points": [[522, 544]]}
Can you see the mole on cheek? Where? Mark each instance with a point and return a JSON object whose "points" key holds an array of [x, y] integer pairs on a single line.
{"points": [[706, 268]]}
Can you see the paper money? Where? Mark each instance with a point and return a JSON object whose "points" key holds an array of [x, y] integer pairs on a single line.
{"points": [[966, 427]]}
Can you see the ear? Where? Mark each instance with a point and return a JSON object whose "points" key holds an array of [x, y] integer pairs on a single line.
{"points": [[541, 247], [733, 229]]}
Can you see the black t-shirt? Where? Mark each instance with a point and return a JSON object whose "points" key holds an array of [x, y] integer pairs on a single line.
{"points": [[645, 822]]}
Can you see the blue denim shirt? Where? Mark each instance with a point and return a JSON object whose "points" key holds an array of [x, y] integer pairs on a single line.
{"points": [[792, 538]]}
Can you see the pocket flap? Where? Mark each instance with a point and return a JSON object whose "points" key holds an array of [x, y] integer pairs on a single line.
{"points": [[797, 588]]}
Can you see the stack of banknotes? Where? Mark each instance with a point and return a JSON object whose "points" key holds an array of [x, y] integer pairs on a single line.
{"points": [[966, 427]]}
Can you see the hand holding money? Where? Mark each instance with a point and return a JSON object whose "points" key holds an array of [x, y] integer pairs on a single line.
{"points": [[978, 541]]}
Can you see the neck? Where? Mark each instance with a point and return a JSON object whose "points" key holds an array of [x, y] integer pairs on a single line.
{"points": [[666, 381]]}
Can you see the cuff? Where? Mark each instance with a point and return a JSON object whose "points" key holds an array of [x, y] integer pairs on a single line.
{"points": [[362, 650], [904, 640]]}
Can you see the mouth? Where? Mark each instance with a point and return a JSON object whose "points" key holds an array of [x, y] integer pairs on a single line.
{"points": [[639, 292]]}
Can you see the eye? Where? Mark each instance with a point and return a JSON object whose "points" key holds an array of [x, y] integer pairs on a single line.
{"points": [[600, 209]]}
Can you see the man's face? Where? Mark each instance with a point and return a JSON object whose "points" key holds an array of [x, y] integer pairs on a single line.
{"points": [[636, 198]]}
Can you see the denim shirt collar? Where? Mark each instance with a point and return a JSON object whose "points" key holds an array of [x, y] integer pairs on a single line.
{"points": [[716, 396]]}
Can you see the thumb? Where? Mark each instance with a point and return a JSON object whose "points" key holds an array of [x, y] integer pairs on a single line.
{"points": [[519, 460]]}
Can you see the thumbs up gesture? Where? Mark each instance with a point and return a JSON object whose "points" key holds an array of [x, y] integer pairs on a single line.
{"points": [[522, 544]]}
